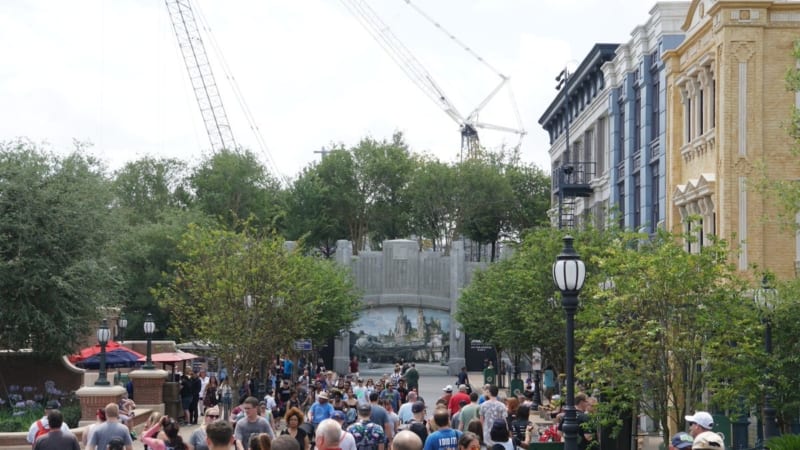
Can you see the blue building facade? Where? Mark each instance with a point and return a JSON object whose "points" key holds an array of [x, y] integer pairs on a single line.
{"points": [[637, 116]]}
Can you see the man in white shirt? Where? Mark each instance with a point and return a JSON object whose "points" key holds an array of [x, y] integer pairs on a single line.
{"points": [[203, 384], [42, 423]]}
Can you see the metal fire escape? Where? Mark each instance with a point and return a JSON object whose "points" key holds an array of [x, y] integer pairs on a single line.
{"points": [[201, 75], [572, 179]]}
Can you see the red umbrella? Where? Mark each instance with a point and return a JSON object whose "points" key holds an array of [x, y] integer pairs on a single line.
{"points": [[88, 352]]}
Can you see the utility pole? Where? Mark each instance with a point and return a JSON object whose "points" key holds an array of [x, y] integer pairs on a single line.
{"points": [[322, 152]]}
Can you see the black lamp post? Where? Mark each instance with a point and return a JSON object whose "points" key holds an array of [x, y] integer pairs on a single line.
{"points": [[765, 300], [569, 272], [102, 337], [122, 323], [149, 329]]}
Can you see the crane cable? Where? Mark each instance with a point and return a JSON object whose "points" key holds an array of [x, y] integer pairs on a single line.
{"points": [[454, 39], [240, 97], [469, 50], [402, 56]]}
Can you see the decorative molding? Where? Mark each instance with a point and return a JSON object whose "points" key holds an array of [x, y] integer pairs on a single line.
{"points": [[784, 16], [742, 223], [743, 166], [743, 50], [742, 109], [699, 146]]}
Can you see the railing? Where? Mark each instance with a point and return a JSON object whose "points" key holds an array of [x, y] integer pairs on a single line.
{"points": [[573, 173], [621, 170]]}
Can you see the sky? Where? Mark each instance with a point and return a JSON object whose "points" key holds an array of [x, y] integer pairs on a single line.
{"points": [[109, 74]]}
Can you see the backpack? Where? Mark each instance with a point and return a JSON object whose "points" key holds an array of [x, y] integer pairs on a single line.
{"points": [[419, 429], [40, 430]]}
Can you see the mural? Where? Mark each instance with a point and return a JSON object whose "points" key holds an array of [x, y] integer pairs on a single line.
{"points": [[390, 333]]}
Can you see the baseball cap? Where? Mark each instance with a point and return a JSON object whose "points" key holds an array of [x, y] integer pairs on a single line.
{"points": [[701, 418], [52, 404], [682, 440], [364, 409], [338, 415], [116, 443], [417, 407], [448, 388], [708, 440]]}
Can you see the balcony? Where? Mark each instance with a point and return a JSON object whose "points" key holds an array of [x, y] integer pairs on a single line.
{"points": [[574, 179]]}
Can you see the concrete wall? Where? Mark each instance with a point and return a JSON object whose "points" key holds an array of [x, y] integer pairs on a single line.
{"points": [[403, 276]]}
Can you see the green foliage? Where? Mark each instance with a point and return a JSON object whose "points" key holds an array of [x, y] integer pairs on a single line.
{"points": [[784, 442], [249, 297], [511, 304], [433, 197], [660, 325], [146, 188], [232, 185], [54, 225]]}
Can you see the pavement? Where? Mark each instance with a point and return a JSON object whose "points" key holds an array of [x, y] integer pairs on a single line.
{"points": [[433, 378]]}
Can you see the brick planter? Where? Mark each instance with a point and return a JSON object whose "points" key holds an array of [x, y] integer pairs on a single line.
{"points": [[95, 397], [148, 387]]}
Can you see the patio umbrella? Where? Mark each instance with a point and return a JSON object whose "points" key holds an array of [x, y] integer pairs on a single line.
{"points": [[89, 352], [119, 357], [170, 357]]}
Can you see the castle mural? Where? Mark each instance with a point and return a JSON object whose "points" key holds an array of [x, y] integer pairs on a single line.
{"points": [[385, 334]]}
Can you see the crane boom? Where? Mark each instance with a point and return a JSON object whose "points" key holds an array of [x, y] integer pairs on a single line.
{"points": [[417, 73], [201, 75]]}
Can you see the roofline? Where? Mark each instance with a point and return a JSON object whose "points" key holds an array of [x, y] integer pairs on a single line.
{"points": [[594, 56]]}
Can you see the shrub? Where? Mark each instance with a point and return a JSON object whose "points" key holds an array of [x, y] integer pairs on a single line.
{"points": [[785, 442]]}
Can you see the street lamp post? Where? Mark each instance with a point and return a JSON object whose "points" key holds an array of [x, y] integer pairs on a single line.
{"points": [[765, 300], [122, 323], [149, 329], [569, 273], [102, 337]]}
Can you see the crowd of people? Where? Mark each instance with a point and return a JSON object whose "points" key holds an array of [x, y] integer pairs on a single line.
{"points": [[330, 411]]}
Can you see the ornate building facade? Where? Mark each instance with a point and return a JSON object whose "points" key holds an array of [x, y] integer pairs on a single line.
{"points": [[727, 111], [637, 119]]}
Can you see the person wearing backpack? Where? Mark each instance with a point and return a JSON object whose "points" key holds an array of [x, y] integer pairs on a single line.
{"points": [[417, 424], [41, 426], [55, 439], [368, 434]]}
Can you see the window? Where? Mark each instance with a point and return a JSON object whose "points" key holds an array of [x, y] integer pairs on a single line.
{"points": [[621, 134], [621, 203], [637, 201], [637, 120], [655, 113], [700, 125], [654, 195], [600, 148], [688, 124]]}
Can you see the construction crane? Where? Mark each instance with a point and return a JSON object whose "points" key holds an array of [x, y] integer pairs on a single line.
{"points": [[417, 73], [202, 77]]}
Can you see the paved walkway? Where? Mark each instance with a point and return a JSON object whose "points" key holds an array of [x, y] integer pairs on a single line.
{"points": [[431, 381]]}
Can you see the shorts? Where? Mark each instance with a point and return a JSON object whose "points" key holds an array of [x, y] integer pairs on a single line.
{"points": [[186, 402]]}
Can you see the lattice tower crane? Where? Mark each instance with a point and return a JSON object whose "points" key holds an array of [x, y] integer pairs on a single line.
{"points": [[202, 77], [417, 73]]}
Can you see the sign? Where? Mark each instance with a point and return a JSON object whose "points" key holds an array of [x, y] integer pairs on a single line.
{"points": [[303, 345]]}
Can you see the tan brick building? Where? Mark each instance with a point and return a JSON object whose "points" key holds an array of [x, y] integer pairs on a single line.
{"points": [[727, 111]]}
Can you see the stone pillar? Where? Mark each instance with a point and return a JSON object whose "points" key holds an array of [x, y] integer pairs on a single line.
{"points": [[148, 388], [458, 337], [341, 345], [93, 398]]}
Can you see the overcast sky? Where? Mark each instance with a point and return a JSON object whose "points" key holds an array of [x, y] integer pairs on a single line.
{"points": [[109, 72]]}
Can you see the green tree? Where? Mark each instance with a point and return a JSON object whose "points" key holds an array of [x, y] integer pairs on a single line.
{"points": [[530, 187], [54, 225], [311, 216], [433, 200], [660, 325], [144, 188], [250, 297], [512, 304], [364, 189], [232, 185], [485, 201]]}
